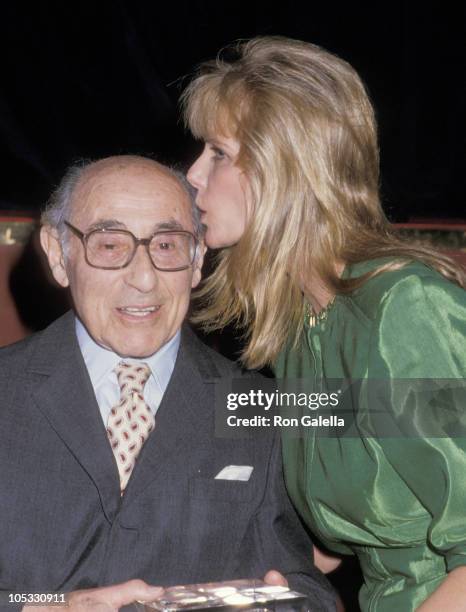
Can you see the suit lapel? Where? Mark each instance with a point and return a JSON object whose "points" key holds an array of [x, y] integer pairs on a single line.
{"points": [[184, 414], [63, 392]]}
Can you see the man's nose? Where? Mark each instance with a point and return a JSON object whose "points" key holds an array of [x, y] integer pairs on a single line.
{"points": [[141, 273]]}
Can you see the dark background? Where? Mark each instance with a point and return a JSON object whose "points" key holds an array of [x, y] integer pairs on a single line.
{"points": [[82, 79], [85, 80]]}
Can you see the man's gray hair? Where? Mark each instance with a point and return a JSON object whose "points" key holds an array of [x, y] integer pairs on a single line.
{"points": [[59, 205]]}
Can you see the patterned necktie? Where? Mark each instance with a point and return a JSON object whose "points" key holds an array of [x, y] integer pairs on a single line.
{"points": [[131, 420]]}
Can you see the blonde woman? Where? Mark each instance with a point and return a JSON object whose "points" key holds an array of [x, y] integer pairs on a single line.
{"points": [[287, 185]]}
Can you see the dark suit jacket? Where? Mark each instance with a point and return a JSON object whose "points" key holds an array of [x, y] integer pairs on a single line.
{"points": [[63, 524]]}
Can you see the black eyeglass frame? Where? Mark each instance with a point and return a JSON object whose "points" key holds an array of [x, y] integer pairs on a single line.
{"points": [[84, 237]]}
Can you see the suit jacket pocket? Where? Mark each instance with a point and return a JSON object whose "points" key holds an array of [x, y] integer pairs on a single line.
{"points": [[220, 490]]}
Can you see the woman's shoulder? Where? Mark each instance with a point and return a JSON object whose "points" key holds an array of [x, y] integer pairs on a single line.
{"points": [[408, 282]]}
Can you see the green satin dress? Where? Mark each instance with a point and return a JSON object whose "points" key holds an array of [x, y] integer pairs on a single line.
{"points": [[399, 504]]}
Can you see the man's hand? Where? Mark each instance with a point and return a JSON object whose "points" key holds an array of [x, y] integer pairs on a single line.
{"points": [[274, 578], [105, 599]]}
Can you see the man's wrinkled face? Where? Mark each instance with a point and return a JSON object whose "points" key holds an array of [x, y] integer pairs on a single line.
{"points": [[136, 310]]}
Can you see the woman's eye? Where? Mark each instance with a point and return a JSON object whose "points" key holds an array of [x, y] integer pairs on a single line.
{"points": [[217, 152]]}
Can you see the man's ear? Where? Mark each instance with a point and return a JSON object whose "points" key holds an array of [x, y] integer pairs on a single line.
{"points": [[51, 244], [197, 265]]}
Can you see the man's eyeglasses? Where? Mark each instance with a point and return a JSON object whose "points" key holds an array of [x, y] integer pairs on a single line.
{"points": [[112, 249]]}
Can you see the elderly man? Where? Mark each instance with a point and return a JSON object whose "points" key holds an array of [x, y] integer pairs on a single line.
{"points": [[111, 474]]}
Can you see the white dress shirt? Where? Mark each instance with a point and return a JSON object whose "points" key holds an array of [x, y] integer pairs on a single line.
{"points": [[100, 363]]}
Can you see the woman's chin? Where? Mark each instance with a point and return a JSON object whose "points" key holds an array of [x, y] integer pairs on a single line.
{"points": [[216, 240]]}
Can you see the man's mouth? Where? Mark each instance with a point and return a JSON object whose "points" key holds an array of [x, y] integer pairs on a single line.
{"points": [[138, 311]]}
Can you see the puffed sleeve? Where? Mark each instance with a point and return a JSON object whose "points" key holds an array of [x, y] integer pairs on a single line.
{"points": [[419, 334]]}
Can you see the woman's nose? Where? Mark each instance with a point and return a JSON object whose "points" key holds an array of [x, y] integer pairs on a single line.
{"points": [[196, 173]]}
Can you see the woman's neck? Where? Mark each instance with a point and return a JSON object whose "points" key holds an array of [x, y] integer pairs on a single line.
{"points": [[316, 291]]}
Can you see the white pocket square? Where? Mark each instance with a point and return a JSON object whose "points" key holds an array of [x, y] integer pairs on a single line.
{"points": [[235, 472]]}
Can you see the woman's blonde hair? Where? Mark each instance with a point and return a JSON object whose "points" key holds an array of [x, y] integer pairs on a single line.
{"points": [[308, 145]]}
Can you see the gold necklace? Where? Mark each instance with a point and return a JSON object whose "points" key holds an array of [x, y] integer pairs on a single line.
{"points": [[314, 317]]}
